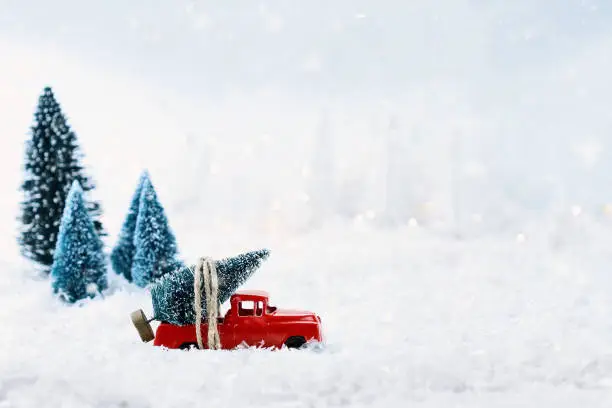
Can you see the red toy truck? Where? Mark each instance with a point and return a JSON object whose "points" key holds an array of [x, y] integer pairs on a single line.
{"points": [[250, 321]]}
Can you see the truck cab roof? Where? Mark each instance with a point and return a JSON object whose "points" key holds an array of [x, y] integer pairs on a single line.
{"points": [[250, 294]]}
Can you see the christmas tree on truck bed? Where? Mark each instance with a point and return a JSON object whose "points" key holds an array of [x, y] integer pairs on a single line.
{"points": [[173, 296]]}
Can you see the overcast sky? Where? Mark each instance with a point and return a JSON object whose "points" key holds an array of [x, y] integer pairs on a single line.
{"points": [[204, 47]]}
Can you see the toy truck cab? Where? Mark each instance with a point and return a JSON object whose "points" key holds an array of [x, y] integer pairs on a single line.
{"points": [[250, 321]]}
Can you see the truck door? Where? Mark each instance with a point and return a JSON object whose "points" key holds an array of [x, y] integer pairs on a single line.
{"points": [[251, 327]]}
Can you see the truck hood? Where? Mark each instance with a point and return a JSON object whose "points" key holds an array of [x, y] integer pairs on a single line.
{"points": [[296, 315], [292, 312]]}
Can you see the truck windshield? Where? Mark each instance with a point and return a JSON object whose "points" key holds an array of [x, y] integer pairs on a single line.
{"points": [[246, 308]]}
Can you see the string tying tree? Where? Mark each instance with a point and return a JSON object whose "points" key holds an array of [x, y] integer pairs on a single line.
{"points": [[206, 268]]}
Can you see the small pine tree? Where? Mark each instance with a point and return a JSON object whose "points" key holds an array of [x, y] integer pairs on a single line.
{"points": [[52, 163], [79, 266], [154, 241], [122, 255], [173, 296]]}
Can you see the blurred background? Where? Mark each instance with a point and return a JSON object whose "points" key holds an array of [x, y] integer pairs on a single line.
{"points": [[275, 118]]}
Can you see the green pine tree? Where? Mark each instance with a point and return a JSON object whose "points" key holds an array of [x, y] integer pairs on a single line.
{"points": [[52, 163], [122, 256], [155, 245], [173, 296], [79, 266]]}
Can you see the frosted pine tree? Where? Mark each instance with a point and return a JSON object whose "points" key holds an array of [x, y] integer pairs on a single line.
{"points": [[173, 296], [79, 265], [52, 163], [154, 241], [122, 255]]}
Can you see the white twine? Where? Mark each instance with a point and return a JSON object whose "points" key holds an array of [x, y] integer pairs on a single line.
{"points": [[206, 267]]}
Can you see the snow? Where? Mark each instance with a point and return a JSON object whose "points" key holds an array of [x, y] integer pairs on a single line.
{"points": [[408, 317], [483, 126]]}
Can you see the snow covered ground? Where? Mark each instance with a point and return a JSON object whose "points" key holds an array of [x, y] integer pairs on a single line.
{"points": [[409, 318], [433, 179]]}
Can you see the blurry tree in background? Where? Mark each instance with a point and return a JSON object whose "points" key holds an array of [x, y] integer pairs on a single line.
{"points": [[399, 205], [322, 181]]}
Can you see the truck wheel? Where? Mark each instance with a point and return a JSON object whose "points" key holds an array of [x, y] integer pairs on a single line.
{"points": [[295, 342], [142, 325], [188, 346]]}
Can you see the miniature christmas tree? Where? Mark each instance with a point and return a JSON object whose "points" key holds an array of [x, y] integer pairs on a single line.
{"points": [[79, 266], [52, 163], [173, 295], [153, 240], [122, 255]]}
